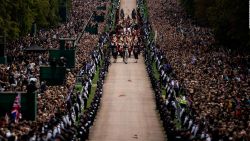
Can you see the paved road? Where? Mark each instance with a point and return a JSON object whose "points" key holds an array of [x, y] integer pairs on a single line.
{"points": [[128, 6], [127, 110]]}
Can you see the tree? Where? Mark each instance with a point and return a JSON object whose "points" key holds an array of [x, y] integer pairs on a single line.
{"points": [[27, 18], [53, 18], [229, 20], [17, 18], [201, 10], [41, 9], [8, 26], [189, 6]]}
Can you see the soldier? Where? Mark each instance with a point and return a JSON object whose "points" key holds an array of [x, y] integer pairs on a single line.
{"points": [[114, 50], [133, 14], [122, 14], [136, 51]]}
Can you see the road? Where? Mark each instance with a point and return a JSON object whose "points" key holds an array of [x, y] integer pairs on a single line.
{"points": [[127, 109], [128, 6]]}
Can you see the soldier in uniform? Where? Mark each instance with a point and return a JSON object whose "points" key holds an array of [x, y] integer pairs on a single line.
{"points": [[136, 51], [122, 14], [133, 14], [120, 46], [114, 51], [125, 50]]}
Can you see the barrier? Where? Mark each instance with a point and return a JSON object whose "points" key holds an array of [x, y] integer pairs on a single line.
{"points": [[3, 60], [101, 8], [99, 18], [69, 55], [53, 75]]}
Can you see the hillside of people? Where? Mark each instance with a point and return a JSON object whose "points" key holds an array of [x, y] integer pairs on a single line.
{"points": [[23, 70], [213, 80], [196, 55]]}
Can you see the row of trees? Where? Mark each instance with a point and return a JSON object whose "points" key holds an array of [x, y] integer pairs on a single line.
{"points": [[227, 18], [17, 17]]}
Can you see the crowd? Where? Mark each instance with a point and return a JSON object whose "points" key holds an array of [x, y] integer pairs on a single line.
{"points": [[71, 119], [206, 88], [45, 39], [25, 67], [65, 120]]}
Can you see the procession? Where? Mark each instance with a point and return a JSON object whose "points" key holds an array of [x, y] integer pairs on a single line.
{"points": [[124, 70], [126, 40]]}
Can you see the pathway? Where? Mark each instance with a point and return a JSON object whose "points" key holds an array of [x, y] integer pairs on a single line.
{"points": [[128, 6], [128, 110]]}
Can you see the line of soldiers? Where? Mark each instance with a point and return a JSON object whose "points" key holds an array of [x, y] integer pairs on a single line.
{"points": [[75, 126], [126, 40], [87, 120], [167, 110], [172, 110]]}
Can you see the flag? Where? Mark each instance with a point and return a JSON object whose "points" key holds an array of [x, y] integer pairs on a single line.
{"points": [[15, 112]]}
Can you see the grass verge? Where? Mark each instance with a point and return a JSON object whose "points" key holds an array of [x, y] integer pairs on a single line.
{"points": [[93, 87]]}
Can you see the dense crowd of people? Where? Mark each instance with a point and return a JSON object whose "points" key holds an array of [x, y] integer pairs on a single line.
{"points": [[206, 87], [27, 63], [66, 120], [202, 92]]}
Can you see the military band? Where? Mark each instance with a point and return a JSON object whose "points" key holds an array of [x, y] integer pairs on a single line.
{"points": [[126, 38]]}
